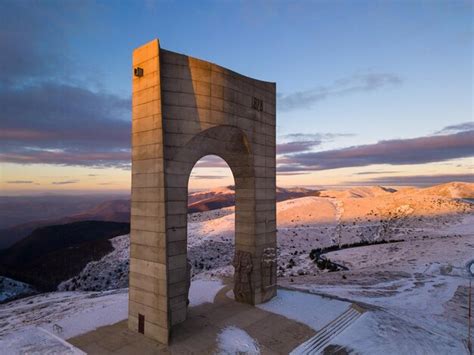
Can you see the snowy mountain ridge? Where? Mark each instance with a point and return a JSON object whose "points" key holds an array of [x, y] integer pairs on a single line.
{"points": [[108, 273]]}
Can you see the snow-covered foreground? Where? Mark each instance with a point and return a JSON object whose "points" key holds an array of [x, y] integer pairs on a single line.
{"points": [[384, 333], [415, 287], [419, 288], [37, 324], [74, 312], [24, 323], [36, 340]]}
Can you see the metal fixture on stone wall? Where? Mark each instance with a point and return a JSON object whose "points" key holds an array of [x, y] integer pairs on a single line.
{"points": [[138, 72]]}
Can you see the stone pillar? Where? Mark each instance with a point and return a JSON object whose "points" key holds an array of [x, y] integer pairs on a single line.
{"points": [[148, 292]]}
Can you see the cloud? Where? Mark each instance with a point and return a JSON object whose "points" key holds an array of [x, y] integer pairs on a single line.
{"points": [[53, 123], [56, 115], [315, 136], [397, 151], [460, 127], [302, 142], [356, 83], [211, 161], [291, 173], [376, 172], [65, 182], [417, 180], [50, 114], [296, 147], [292, 143], [69, 158], [20, 182]]}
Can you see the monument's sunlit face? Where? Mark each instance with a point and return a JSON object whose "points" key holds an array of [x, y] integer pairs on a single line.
{"points": [[184, 109]]}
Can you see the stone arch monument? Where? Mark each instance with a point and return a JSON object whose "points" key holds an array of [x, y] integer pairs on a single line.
{"points": [[183, 109]]}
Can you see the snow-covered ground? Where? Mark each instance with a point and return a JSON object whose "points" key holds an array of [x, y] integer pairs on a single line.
{"points": [[416, 288], [74, 312], [11, 289], [36, 340], [232, 340], [312, 310], [203, 291], [379, 332], [303, 224], [29, 325], [420, 289], [33, 323]]}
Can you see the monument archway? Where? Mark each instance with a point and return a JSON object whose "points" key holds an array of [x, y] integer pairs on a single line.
{"points": [[182, 110], [211, 224]]}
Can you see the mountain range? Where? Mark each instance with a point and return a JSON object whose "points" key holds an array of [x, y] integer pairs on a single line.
{"points": [[118, 210]]}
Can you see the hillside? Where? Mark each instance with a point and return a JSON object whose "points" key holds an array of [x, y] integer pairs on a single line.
{"points": [[111, 211], [463, 190], [361, 214], [283, 194], [211, 199], [53, 254], [225, 196], [304, 224], [16, 210], [403, 255], [358, 192], [11, 289], [118, 210], [108, 273]]}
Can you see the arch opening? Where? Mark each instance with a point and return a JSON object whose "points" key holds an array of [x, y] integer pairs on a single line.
{"points": [[210, 227]]}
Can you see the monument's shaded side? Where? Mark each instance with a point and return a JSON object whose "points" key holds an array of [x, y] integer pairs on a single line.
{"points": [[183, 109]]}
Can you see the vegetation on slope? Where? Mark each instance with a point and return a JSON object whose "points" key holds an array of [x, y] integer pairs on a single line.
{"points": [[52, 254]]}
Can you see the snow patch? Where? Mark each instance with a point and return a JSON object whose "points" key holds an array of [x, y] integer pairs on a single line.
{"points": [[203, 291], [108, 310], [313, 310], [75, 313], [35, 340], [232, 340]]}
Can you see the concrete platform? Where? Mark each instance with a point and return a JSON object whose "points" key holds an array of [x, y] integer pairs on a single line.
{"points": [[197, 335]]}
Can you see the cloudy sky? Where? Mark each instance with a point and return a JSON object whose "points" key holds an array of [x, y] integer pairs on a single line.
{"points": [[375, 92]]}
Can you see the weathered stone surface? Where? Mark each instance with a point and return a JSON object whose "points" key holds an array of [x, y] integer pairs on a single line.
{"points": [[243, 286], [268, 272], [183, 109]]}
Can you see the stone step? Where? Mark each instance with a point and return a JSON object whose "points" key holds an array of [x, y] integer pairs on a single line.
{"points": [[329, 332]]}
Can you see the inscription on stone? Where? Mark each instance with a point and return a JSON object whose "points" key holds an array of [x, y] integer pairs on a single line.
{"points": [[257, 104]]}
